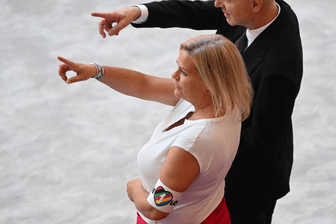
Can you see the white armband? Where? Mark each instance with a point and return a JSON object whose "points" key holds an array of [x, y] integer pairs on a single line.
{"points": [[163, 198]]}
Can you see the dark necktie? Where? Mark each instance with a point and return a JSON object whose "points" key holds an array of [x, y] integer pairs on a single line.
{"points": [[242, 43]]}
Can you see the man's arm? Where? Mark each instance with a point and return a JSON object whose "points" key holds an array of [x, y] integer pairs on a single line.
{"points": [[263, 134], [198, 15]]}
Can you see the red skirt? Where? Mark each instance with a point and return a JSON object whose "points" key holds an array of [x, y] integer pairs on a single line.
{"points": [[140, 220], [220, 215]]}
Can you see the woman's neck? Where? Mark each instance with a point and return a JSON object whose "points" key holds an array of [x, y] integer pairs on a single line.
{"points": [[203, 111]]}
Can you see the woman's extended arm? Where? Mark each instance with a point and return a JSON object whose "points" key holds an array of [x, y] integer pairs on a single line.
{"points": [[126, 81], [178, 172]]}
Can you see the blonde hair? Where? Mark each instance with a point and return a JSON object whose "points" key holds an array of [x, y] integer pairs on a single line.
{"points": [[222, 69]]}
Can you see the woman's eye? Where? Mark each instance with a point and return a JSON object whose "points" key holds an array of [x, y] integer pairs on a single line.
{"points": [[183, 73]]}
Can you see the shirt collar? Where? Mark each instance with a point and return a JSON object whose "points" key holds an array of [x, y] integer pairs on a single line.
{"points": [[253, 34]]}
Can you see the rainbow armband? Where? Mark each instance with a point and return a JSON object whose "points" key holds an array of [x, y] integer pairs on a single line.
{"points": [[163, 198]]}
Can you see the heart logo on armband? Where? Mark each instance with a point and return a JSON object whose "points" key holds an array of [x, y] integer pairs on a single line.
{"points": [[162, 197]]}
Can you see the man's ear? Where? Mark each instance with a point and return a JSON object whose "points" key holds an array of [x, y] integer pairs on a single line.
{"points": [[256, 5]]}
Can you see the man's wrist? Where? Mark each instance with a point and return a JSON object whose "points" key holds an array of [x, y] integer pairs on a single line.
{"points": [[143, 16]]}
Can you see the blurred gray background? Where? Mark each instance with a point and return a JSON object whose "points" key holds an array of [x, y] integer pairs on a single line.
{"points": [[67, 151]]}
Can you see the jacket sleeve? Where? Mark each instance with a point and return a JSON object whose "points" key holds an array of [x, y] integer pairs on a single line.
{"points": [[197, 15], [267, 130]]}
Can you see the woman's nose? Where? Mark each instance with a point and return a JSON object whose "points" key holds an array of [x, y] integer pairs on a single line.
{"points": [[175, 75]]}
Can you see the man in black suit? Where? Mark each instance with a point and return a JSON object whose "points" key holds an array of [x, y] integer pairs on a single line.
{"points": [[261, 170]]}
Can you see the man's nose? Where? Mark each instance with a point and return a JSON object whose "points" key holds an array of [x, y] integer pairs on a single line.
{"points": [[218, 3]]}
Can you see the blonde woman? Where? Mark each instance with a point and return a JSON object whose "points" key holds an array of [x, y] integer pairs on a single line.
{"points": [[184, 164]]}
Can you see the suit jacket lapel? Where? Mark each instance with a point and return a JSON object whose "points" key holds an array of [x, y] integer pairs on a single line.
{"points": [[231, 32], [255, 53]]}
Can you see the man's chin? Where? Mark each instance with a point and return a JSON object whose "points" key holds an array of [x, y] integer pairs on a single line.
{"points": [[230, 22]]}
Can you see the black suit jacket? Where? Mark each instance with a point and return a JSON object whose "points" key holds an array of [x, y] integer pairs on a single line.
{"points": [[262, 167]]}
